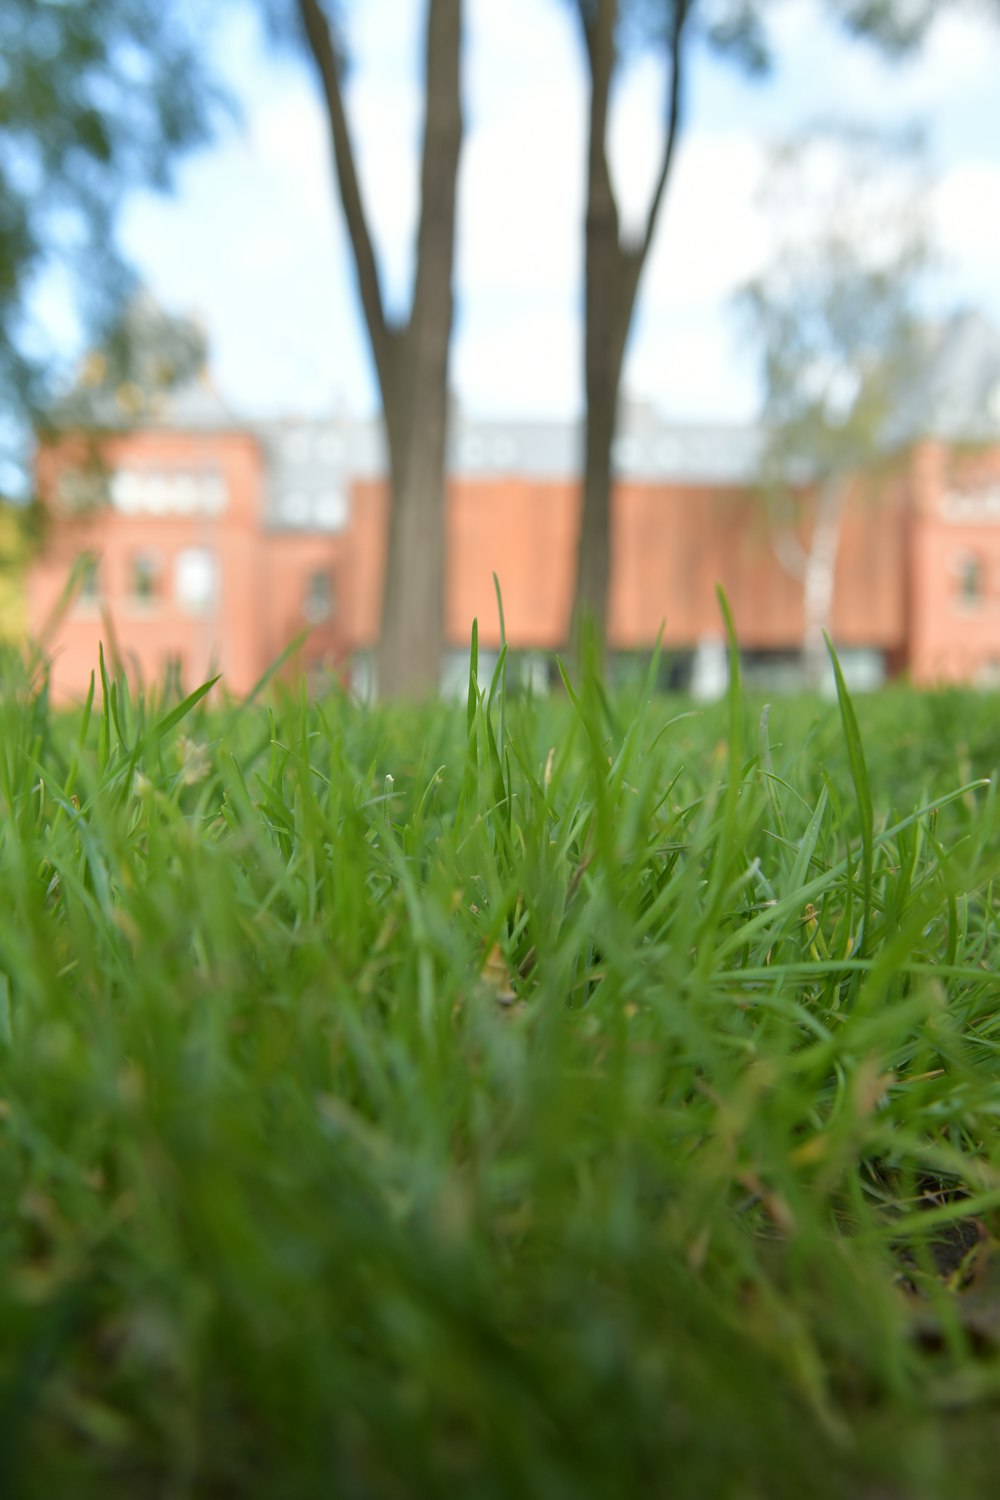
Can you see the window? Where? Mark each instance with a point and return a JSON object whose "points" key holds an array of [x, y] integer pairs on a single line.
{"points": [[626, 452], [90, 580], [968, 570], [294, 508], [144, 577], [330, 511], [504, 451], [471, 451], [186, 494], [987, 674], [158, 494], [183, 493], [667, 454], [127, 493], [318, 603], [81, 489], [196, 580], [212, 489], [295, 446]]}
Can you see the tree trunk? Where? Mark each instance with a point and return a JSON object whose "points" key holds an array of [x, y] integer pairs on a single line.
{"points": [[411, 361], [605, 347], [416, 399], [819, 573], [602, 370], [612, 272], [408, 660]]}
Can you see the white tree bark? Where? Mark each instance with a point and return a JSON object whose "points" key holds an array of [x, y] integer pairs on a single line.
{"points": [[818, 576]]}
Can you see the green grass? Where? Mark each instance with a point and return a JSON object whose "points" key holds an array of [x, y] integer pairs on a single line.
{"points": [[570, 1099]]}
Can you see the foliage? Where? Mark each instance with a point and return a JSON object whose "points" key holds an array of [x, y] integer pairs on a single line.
{"points": [[144, 354], [562, 1099], [732, 28], [834, 320], [834, 317], [18, 525], [739, 28], [900, 26], [96, 97]]}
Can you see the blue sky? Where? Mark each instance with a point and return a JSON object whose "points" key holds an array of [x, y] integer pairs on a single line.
{"points": [[252, 238]]}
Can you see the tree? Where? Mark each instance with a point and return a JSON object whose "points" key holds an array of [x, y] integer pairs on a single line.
{"points": [[835, 324], [901, 26], [144, 355], [410, 357], [613, 263], [96, 97]]}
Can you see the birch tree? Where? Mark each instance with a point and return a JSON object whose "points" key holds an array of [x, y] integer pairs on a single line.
{"points": [[613, 259], [835, 324]]}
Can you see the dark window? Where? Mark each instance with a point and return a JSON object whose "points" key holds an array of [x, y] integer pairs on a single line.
{"points": [[90, 580], [318, 604], [969, 579], [82, 489], [144, 577]]}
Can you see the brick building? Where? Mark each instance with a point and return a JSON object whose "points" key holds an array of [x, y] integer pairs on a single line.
{"points": [[216, 541]]}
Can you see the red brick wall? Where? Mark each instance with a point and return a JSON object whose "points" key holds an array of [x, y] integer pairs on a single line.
{"points": [[671, 545], [956, 518], [896, 588], [148, 634]]}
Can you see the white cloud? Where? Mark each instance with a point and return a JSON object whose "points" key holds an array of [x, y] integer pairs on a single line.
{"points": [[636, 139], [517, 49], [526, 364], [712, 236], [967, 214], [521, 197], [820, 69], [967, 229], [691, 369]]}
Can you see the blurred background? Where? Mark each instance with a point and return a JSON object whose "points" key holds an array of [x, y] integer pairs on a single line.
{"points": [[314, 316]]}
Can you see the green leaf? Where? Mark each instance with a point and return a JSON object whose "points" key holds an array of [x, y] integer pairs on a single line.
{"points": [[862, 787], [169, 721]]}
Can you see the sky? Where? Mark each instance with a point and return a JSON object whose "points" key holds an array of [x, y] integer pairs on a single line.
{"points": [[252, 239]]}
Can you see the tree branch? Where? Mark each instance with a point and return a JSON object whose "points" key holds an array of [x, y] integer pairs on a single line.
{"points": [[682, 9], [602, 209], [439, 164], [583, 10], [318, 35]]}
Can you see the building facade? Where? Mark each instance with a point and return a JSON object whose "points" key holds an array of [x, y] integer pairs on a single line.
{"points": [[209, 544]]}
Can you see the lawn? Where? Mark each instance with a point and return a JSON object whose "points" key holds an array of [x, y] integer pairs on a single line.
{"points": [[561, 1099]]}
